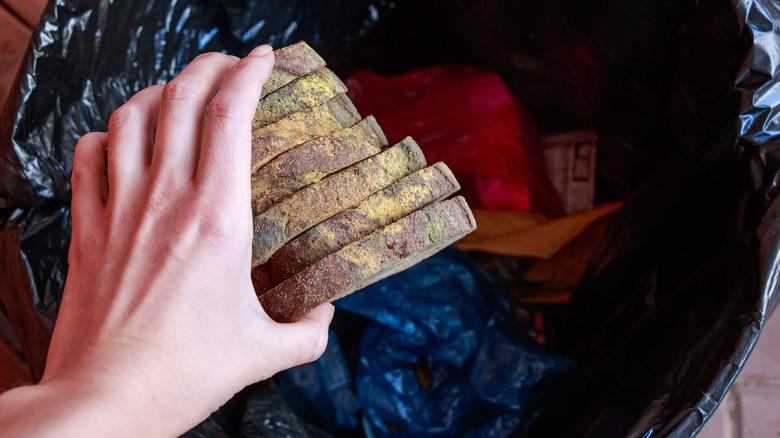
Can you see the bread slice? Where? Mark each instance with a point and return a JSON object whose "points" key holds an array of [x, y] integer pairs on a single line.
{"points": [[290, 63], [261, 279], [270, 141], [305, 92], [382, 253], [313, 161], [403, 197], [307, 207]]}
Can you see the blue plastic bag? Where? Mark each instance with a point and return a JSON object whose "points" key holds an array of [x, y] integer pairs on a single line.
{"points": [[446, 356]]}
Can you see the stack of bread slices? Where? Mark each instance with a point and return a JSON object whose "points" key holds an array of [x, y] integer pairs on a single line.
{"points": [[335, 207]]}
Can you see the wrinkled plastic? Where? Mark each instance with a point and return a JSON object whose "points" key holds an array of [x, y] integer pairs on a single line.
{"points": [[256, 411], [322, 392], [759, 131], [446, 355], [683, 96], [468, 119]]}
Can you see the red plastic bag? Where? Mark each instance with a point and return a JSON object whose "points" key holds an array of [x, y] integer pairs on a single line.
{"points": [[468, 119]]}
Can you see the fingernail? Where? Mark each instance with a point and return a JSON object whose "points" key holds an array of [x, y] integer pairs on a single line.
{"points": [[262, 50], [234, 57]]}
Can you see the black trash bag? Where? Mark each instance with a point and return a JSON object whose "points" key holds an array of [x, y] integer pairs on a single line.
{"points": [[682, 94], [258, 411]]}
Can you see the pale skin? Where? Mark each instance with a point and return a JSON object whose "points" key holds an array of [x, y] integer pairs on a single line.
{"points": [[159, 324]]}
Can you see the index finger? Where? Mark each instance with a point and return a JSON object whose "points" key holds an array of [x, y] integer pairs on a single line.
{"points": [[226, 144]]}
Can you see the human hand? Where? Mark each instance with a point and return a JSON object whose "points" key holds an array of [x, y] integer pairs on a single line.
{"points": [[159, 324]]}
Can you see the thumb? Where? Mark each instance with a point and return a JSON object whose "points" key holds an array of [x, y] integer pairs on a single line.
{"points": [[298, 342]]}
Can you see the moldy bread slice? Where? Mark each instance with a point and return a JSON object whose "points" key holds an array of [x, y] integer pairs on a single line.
{"points": [[403, 197], [382, 253], [312, 161], [305, 92], [290, 63], [272, 140], [309, 206]]}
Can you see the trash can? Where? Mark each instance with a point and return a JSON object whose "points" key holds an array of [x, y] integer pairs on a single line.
{"points": [[682, 95]]}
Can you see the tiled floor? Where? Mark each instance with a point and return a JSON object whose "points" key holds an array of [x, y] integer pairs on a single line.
{"points": [[751, 409]]}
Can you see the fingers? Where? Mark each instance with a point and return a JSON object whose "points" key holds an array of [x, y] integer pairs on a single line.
{"points": [[90, 187], [225, 154], [130, 133], [182, 109]]}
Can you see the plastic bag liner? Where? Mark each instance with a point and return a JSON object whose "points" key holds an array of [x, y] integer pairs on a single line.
{"points": [[683, 96]]}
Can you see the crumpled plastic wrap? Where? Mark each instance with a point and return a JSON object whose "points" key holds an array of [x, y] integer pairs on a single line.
{"points": [[684, 96]]}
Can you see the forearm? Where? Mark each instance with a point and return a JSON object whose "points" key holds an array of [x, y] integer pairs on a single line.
{"points": [[61, 409]]}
